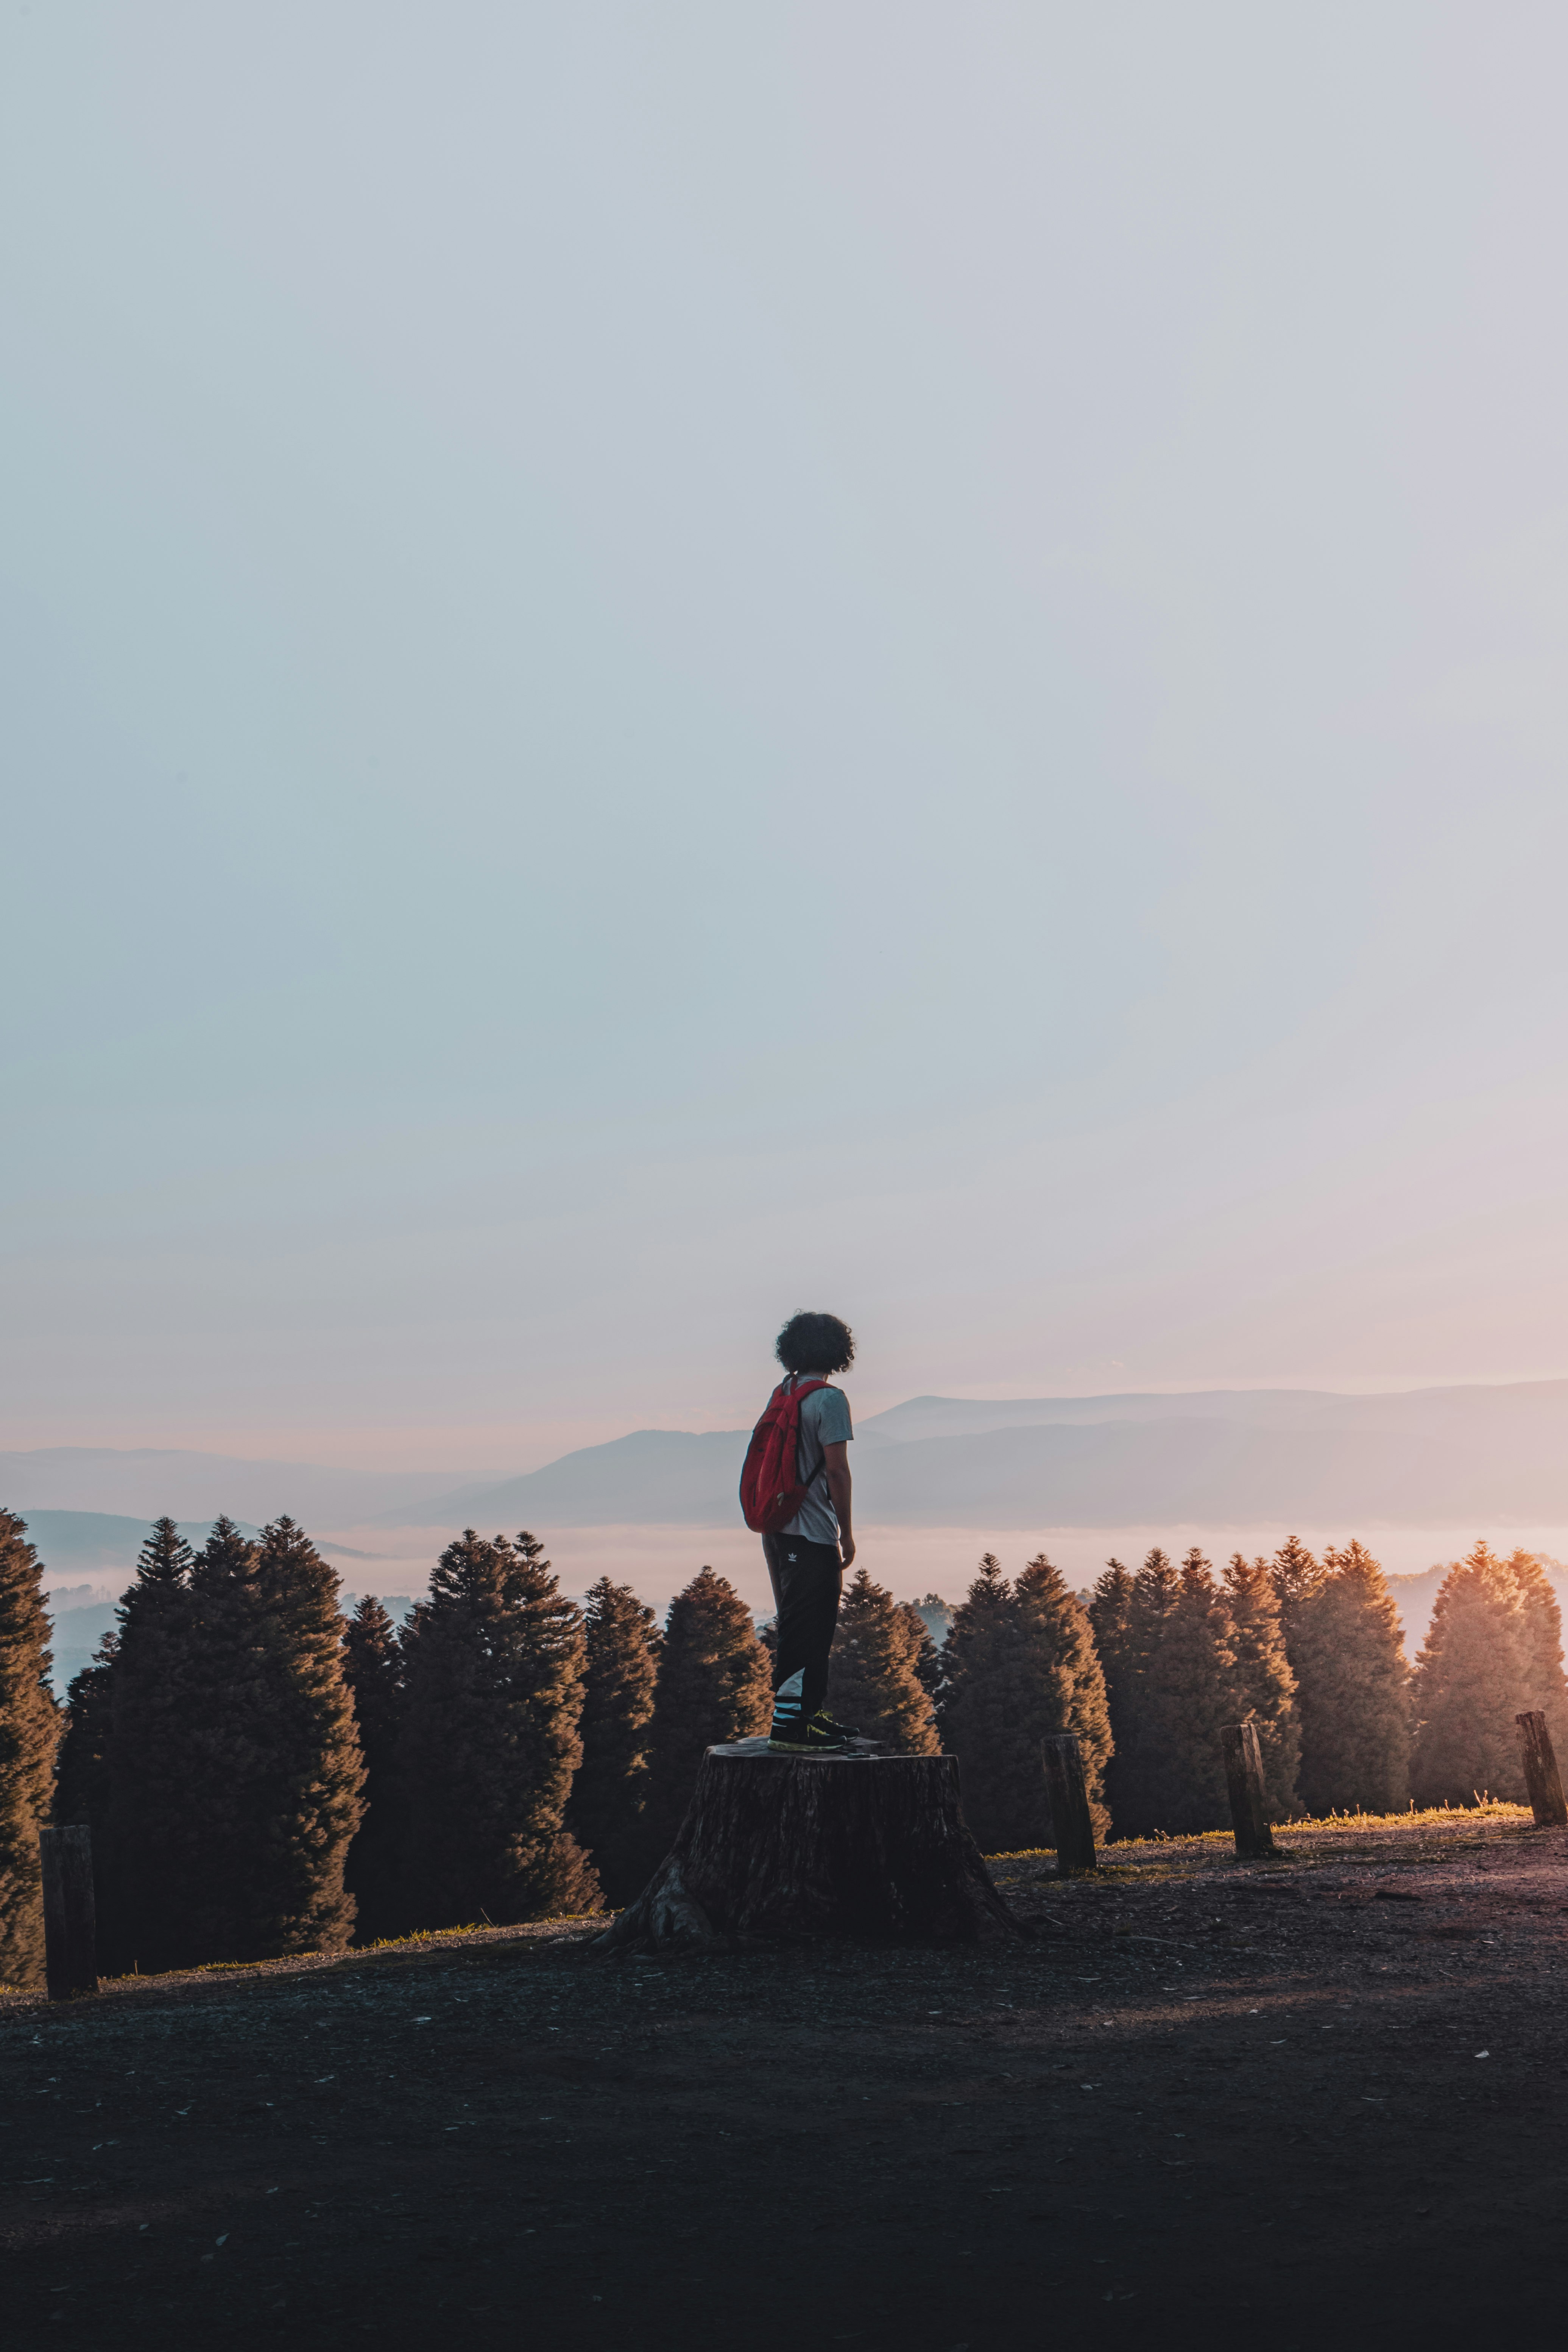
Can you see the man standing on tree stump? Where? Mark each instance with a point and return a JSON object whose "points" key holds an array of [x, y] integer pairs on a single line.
{"points": [[807, 1557]]}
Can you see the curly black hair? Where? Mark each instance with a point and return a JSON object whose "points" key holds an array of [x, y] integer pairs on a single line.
{"points": [[815, 1343]]}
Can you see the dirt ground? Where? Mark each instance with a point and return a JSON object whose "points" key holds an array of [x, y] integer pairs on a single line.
{"points": [[1324, 2101]]}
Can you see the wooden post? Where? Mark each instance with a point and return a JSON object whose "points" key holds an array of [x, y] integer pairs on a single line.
{"points": [[70, 1932], [1243, 1775], [1067, 1796], [1541, 1774]]}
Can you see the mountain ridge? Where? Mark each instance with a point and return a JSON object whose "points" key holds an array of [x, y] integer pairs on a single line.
{"points": [[1412, 1457], [146, 1482], [1443, 1455]]}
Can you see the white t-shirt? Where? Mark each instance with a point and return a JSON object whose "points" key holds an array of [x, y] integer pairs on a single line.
{"points": [[824, 1420]]}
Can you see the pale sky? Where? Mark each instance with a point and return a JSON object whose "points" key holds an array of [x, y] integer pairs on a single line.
{"points": [[665, 664]]}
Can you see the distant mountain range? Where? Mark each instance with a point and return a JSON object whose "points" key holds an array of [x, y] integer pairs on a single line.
{"points": [[148, 1481], [1225, 1457], [1481, 1456]]}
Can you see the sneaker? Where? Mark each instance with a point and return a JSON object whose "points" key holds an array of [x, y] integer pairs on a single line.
{"points": [[815, 1736], [848, 1730]]}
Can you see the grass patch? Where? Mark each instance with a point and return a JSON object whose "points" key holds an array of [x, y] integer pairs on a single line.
{"points": [[1485, 1808], [1136, 1855]]}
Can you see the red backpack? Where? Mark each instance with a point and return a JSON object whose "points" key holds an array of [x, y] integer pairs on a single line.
{"points": [[771, 1491]]}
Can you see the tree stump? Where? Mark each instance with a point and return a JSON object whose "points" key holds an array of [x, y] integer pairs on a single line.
{"points": [[1542, 1776], [789, 1847]]}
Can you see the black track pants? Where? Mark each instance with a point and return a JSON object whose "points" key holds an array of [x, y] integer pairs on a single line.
{"points": [[807, 1580]]}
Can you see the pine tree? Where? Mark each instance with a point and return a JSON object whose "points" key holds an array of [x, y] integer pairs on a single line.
{"points": [[1189, 1692], [373, 1669], [81, 1774], [29, 1730], [1544, 1685], [976, 1637], [1471, 1672], [872, 1681], [1128, 1613], [1059, 1641], [1342, 1638], [218, 1675], [610, 1792], [494, 1663], [925, 1658], [1109, 1606], [1021, 1664], [1154, 1591], [273, 1797], [714, 1684], [150, 1761], [1296, 1576], [234, 1764], [1266, 1687], [81, 1783]]}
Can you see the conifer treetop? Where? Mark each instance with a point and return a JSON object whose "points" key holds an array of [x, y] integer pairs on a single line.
{"points": [[372, 1662], [23, 1617], [506, 1582], [1343, 1633], [1471, 1672], [610, 1790], [1264, 1680], [372, 1870], [81, 1783], [1188, 1691], [715, 1684], [708, 1610], [494, 1663], [1109, 1607], [1248, 1578], [1112, 1582], [606, 1598], [1021, 1665], [623, 1644], [371, 1623], [873, 1680], [1480, 1581], [1357, 1563], [163, 1568], [624, 1637], [989, 1594], [269, 1741], [1297, 1575], [227, 1557], [1545, 1685], [1153, 1596], [297, 1585], [1196, 1572]]}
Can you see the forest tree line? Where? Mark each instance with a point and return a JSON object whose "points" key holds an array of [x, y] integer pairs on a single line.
{"points": [[263, 1776]]}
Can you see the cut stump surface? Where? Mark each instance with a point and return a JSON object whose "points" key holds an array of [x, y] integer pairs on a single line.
{"points": [[866, 1845]]}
